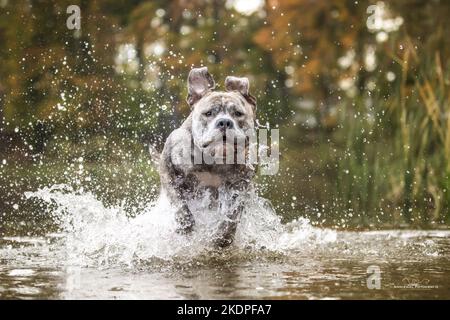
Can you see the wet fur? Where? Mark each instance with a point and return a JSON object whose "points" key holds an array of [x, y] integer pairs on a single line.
{"points": [[228, 184]]}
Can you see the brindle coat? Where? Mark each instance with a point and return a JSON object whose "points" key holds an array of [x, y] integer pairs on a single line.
{"points": [[202, 133]]}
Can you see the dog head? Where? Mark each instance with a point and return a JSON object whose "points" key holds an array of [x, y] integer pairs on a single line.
{"points": [[220, 118]]}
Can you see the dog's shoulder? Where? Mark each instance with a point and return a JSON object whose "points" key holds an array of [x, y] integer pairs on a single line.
{"points": [[177, 149], [179, 136]]}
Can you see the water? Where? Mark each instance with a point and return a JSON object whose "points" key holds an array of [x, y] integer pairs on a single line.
{"points": [[99, 253]]}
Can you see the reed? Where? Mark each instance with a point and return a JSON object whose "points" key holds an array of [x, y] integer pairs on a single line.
{"points": [[394, 163]]}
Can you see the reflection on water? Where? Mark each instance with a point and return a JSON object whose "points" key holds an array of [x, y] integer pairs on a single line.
{"points": [[100, 253], [413, 264]]}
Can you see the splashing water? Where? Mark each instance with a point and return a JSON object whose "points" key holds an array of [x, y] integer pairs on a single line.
{"points": [[100, 236], [100, 252]]}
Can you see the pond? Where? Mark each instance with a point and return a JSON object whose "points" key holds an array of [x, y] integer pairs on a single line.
{"points": [[99, 253]]}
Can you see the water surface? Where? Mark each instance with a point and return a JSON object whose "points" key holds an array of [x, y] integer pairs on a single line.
{"points": [[99, 253]]}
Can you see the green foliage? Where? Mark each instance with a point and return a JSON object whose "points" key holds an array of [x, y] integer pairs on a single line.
{"points": [[377, 151]]}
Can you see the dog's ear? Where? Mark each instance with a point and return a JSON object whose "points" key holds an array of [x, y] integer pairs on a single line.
{"points": [[200, 81], [242, 86]]}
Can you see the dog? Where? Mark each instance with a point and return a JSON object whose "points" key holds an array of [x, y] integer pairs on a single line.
{"points": [[217, 129]]}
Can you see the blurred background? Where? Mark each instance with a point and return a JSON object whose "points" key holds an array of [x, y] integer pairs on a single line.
{"points": [[359, 89]]}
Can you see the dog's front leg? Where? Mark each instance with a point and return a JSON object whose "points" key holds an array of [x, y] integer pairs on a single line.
{"points": [[231, 209], [173, 173], [183, 216], [227, 228], [178, 192]]}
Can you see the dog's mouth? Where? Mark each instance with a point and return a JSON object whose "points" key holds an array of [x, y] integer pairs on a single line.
{"points": [[222, 148], [208, 143]]}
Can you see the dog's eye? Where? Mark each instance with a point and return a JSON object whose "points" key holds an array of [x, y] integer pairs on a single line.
{"points": [[238, 114], [208, 114]]}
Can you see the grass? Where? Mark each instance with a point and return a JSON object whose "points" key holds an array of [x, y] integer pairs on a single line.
{"points": [[394, 165]]}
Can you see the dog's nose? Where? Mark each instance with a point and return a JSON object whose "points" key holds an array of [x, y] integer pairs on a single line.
{"points": [[224, 124]]}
